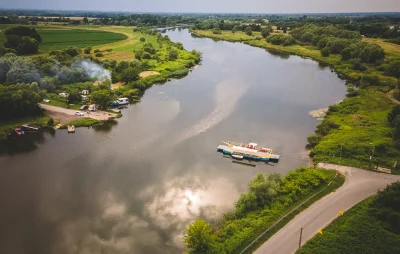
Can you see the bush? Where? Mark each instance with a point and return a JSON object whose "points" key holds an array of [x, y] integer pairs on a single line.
{"points": [[172, 54], [357, 64], [50, 122], [99, 54], [393, 69], [71, 51], [325, 52], [96, 51], [142, 39], [87, 50], [216, 31]]}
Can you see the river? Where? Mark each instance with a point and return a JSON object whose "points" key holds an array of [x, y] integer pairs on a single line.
{"points": [[133, 187]]}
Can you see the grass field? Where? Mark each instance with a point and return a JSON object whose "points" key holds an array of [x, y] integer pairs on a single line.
{"points": [[357, 231], [60, 39], [392, 50]]}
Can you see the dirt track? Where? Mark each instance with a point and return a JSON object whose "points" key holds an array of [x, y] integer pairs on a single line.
{"points": [[64, 115]]}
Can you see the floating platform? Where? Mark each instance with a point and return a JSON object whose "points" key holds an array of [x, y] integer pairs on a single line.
{"points": [[248, 154], [71, 129]]}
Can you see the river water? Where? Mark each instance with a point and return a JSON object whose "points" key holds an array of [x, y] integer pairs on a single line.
{"points": [[133, 187]]}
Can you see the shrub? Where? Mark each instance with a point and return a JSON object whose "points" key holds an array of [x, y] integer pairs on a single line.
{"points": [[393, 69], [325, 52], [142, 39], [99, 54], [96, 51], [87, 50]]}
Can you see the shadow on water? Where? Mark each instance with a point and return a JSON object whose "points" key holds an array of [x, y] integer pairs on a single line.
{"points": [[28, 142], [105, 127], [279, 54]]}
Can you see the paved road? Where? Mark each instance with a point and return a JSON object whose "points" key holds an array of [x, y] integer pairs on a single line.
{"points": [[99, 115], [359, 185]]}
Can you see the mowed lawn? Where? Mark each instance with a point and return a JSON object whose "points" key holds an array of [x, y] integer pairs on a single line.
{"points": [[60, 39]]}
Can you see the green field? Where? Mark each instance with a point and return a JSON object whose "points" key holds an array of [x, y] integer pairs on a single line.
{"points": [[59, 39]]}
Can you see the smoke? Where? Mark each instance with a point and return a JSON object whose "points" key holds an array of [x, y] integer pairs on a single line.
{"points": [[94, 70]]}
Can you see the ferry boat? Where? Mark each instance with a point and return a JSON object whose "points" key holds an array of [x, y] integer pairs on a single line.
{"points": [[247, 151]]}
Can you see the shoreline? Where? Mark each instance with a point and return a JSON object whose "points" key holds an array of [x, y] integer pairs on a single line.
{"points": [[349, 132]]}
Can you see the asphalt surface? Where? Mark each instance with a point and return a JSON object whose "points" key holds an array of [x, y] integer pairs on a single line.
{"points": [[359, 185]]}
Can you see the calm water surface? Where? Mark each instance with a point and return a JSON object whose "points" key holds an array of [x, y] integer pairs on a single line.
{"points": [[134, 186]]}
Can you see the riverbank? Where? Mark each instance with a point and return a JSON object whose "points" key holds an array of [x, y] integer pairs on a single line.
{"points": [[251, 222], [8, 127], [355, 128]]}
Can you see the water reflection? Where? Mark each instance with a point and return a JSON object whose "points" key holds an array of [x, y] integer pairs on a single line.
{"points": [[105, 127], [278, 53], [133, 185], [16, 144]]}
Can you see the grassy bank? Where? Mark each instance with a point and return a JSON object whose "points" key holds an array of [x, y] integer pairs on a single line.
{"points": [[9, 126], [268, 201], [83, 122], [369, 227], [357, 128]]}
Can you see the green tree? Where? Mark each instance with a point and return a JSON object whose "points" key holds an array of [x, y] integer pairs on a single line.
{"points": [[48, 84], [235, 29], [325, 52], [393, 69], [248, 31], [85, 20], [87, 50], [199, 238], [265, 32], [102, 98], [372, 53], [130, 74], [74, 97], [142, 39], [72, 51], [20, 100], [23, 70], [173, 54]]}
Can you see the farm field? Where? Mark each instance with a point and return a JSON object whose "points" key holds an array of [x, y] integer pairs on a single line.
{"points": [[58, 39]]}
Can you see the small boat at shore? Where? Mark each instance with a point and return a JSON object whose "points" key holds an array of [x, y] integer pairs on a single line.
{"points": [[71, 129], [31, 127], [19, 131], [248, 151]]}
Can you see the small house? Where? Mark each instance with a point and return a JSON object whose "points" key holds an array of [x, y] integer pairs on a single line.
{"points": [[85, 92]]}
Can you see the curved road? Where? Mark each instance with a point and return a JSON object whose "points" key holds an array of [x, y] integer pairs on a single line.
{"points": [[359, 185]]}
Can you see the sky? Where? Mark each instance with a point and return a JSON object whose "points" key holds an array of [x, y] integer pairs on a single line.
{"points": [[220, 6]]}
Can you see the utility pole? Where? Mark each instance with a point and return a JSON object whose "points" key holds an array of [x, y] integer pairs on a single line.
{"points": [[301, 233]]}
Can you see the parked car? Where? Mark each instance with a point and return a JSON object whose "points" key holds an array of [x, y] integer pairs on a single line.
{"points": [[79, 113], [83, 107]]}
